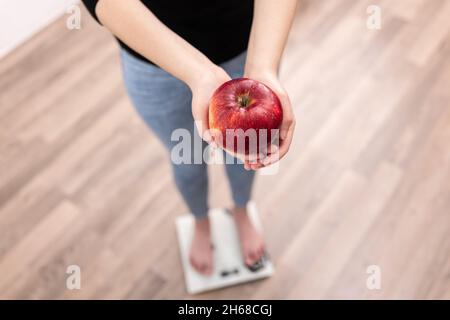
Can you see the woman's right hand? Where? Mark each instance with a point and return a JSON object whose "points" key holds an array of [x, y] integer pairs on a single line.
{"points": [[202, 91]]}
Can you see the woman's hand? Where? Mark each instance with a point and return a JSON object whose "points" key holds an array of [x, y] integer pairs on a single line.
{"points": [[202, 91], [287, 126], [270, 29]]}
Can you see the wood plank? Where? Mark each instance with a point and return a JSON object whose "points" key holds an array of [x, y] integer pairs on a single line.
{"points": [[83, 181]]}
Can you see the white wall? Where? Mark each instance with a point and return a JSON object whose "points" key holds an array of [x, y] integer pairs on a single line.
{"points": [[20, 19]]}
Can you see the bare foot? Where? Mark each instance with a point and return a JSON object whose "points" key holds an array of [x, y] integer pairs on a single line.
{"points": [[252, 241], [200, 253]]}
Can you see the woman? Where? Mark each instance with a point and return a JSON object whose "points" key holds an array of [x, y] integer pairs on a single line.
{"points": [[174, 54]]}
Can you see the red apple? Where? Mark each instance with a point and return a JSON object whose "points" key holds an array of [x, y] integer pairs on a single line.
{"points": [[248, 105]]}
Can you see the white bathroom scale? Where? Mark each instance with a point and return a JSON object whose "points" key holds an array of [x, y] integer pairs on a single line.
{"points": [[229, 267]]}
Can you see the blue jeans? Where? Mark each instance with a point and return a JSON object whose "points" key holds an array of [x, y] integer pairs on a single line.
{"points": [[164, 103]]}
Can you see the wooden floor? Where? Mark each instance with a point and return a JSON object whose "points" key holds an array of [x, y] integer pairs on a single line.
{"points": [[83, 182]]}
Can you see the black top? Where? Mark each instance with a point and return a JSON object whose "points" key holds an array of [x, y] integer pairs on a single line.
{"points": [[220, 29]]}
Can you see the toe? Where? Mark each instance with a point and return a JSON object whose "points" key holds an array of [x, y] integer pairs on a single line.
{"points": [[251, 257], [200, 268], [208, 269], [247, 259], [261, 252], [205, 268], [193, 263]]}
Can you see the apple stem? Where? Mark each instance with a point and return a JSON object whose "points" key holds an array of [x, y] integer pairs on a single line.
{"points": [[244, 100]]}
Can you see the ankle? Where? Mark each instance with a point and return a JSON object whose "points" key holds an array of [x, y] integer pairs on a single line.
{"points": [[202, 224], [239, 211]]}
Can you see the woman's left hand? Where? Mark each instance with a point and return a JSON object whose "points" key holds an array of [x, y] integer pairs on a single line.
{"points": [[287, 126]]}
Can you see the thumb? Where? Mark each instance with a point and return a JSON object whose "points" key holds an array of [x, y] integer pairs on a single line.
{"points": [[202, 130], [286, 127], [200, 115], [287, 119]]}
